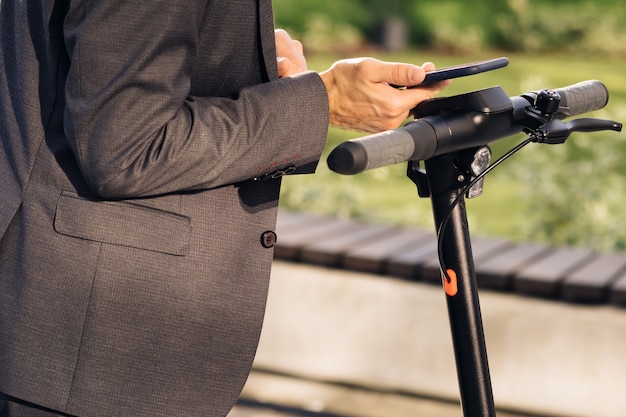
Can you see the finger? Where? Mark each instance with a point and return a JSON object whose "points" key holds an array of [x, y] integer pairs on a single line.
{"points": [[429, 66], [283, 66], [399, 101], [440, 85], [297, 46], [285, 45], [281, 34]]}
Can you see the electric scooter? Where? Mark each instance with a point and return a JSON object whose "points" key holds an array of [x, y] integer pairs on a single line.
{"points": [[446, 147]]}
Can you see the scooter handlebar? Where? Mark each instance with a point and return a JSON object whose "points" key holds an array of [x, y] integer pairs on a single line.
{"points": [[438, 134]]}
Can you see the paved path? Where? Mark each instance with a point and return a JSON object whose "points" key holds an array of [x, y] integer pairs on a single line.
{"points": [[271, 395]]}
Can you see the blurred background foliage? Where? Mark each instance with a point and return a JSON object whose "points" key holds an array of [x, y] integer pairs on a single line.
{"points": [[579, 26], [572, 194]]}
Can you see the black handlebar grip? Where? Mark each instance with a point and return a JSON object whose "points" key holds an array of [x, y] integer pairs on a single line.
{"points": [[581, 98], [415, 140]]}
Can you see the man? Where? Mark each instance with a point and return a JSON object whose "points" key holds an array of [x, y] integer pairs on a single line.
{"points": [[142, 148]]}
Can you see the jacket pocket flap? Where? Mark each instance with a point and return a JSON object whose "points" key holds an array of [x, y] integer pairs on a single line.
{"points": [[123, 224]]}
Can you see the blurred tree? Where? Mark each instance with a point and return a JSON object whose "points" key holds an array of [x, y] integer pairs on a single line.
{"points": [[390, 27]]}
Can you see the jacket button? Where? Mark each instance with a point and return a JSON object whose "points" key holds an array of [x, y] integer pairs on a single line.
{"points": [[268, 239]]}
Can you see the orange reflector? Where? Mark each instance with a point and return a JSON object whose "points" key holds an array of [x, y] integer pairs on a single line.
{"points": [[450, 283]]}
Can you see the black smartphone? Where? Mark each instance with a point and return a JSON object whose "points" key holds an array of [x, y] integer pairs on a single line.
{"points": [[463, 70]]}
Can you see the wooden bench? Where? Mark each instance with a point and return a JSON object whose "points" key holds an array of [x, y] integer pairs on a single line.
{"points": [[560, 273]]}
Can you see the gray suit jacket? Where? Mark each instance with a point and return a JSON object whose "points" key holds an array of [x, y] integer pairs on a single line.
{"points": [[141, 145]]}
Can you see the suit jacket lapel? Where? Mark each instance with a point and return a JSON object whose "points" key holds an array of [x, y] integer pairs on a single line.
{"points": [[268, 43]]}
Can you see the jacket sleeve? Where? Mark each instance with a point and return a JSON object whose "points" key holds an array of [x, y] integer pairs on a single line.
{"points": [[136, 130]]}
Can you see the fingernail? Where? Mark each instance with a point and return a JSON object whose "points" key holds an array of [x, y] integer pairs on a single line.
{"points": [[415, 74]]}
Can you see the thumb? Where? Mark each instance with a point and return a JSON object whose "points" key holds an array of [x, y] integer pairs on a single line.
{"points": [[402, 74]]}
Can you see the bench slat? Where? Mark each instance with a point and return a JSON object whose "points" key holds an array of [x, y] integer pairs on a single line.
{"points": [[497, 272], [292, 237], [373, 256], [408, 263], [617, 294], [592, 281], [328, 250], [543, 277]]}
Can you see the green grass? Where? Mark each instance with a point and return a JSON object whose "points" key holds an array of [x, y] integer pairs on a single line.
{"points": [[539, 194]]}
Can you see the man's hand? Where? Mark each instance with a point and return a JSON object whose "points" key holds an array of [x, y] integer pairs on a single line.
{"points": [[361, 96], [290, 55]]}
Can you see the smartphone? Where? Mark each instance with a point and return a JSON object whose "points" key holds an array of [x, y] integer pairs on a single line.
{"points": [[462, 70]]}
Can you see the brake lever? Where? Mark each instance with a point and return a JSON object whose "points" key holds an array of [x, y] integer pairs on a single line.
{"points": [[556, 131]]}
